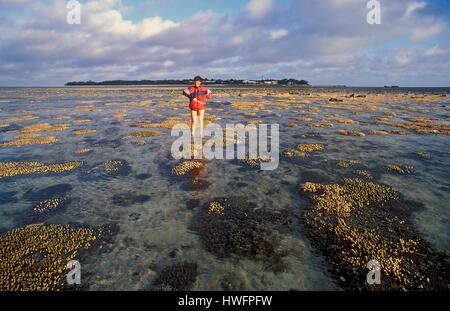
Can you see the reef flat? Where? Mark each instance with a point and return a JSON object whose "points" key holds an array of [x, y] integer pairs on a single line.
{"points": [[371, 166]]}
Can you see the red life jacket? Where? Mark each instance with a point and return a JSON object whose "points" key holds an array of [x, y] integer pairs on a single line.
{"points": [[197, 96]]}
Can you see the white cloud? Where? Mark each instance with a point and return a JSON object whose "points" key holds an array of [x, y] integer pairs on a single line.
{"points": [[168, 63], [237, 40], [427, 32], [414, 6], [259, 8], [103, 16], [152, 26], [278, 34], [402, 59], [435, 51]]}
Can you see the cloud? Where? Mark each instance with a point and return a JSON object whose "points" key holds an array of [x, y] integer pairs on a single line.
{"points": [[168, 63], [413, 7], [435, 51], [427, 32], [324, 42], [259, 8], [7, 4], [278, 34], [102, 18]]}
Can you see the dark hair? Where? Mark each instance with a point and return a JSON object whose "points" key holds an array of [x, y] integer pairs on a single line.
{"points": [[198, 78]]}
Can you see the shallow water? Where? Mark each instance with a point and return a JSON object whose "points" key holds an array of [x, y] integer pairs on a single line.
{"points": [[150, 229]]}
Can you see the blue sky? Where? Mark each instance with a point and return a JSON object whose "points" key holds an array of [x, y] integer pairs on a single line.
{"points": [[177, 10], [323, 41]]}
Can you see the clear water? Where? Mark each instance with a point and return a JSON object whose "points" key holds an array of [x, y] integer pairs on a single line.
{"points": [[149, 231]]}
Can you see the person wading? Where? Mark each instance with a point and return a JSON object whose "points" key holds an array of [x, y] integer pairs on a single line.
{"points": [[197, 95]]}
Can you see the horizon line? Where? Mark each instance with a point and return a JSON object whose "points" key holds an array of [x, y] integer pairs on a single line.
{"points": [[279, 85]]}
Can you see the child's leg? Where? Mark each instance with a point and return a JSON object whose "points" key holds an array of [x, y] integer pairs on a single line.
{"points": [[201, 113], [193, 119]]}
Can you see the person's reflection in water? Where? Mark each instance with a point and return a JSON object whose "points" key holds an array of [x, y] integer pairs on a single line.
{"points": [[197, 177]]}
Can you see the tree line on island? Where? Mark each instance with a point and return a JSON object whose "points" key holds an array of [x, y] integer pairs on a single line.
{"points": [[187, 81]]}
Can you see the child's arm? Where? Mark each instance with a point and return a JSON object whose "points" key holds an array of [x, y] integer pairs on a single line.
{"points": [[186, 93], [209, 94]]}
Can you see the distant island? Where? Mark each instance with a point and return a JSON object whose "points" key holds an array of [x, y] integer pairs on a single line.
{"points": [[187, 81]]}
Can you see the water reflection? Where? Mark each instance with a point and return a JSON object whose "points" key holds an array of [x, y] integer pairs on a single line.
{"points": [[198, 178]]}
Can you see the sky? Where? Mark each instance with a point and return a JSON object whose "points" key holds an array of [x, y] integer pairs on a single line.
{"points": [[326, 42]]}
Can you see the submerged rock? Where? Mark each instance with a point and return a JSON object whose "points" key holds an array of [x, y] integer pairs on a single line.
{"points": [[358, 221], [45, 203], [140, 134], [48, 192], [192, 203], [10, 169], [233, 226], [134, 216], [350, 133], [254, 161], [234, 282], [177, 277], [31, 141], [364, 173], [196, 184], [185, 167], [395, 168], [109, 168], [35, 257], [423, 155], [303, 150], [143, 176], [193, 173], [46, 208], [347, 163]]}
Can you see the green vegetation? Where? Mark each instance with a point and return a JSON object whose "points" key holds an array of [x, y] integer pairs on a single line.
{"points": [[182, 81]]}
